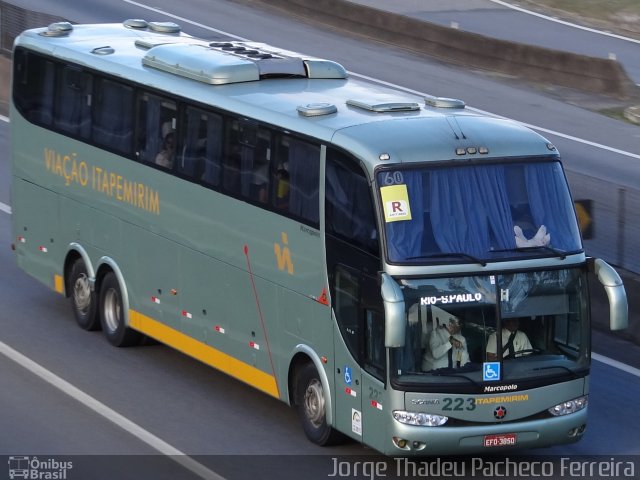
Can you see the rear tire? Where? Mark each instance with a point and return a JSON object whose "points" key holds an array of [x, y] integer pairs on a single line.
{"points": [[83, 298], [310, 402], [112, 314]]}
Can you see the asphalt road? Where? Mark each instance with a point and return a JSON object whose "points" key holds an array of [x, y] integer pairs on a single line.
{"points": [[204, 413]]}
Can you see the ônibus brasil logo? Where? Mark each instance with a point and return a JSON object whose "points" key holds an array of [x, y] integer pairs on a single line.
{"points": [[33, 468]]}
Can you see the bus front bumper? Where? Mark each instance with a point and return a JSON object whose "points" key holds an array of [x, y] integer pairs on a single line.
{"points": [[487, 438]]}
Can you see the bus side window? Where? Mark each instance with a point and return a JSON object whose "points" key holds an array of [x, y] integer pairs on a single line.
{"points": [[374, 351], [281, 180], [231, 159], [113, 116], [298, 180], [346, 308], [349, 207], [260, 168], [213, 150], [33, 80], [199, 155], [73, 101], [156, 121]]}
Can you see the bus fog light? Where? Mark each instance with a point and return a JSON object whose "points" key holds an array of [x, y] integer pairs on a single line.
{"points": [[420, 419], [401, 443], [577, 432], [572, 406]]}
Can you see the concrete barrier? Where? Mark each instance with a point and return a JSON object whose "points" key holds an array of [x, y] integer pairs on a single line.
{"points": [[591, 74]]}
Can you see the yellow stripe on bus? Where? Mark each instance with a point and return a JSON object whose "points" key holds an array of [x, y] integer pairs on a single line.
{"points": [[58, 284], [206, 354]]}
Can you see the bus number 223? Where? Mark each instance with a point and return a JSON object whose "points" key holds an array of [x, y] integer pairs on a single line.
{"points": [[458, 404]]}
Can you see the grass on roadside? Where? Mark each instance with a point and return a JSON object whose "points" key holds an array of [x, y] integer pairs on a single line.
{"points": [[611, 14]]}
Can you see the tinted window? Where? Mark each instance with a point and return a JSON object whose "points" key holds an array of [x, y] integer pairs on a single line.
{"points": [[349, 209], [113, 115], [156, 136], [33, 86]]}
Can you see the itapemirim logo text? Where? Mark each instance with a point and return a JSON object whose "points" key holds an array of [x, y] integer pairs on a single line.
{"points": [[34, 468]]}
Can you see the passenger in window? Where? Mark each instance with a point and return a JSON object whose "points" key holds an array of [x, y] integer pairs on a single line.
{"points": [[515, 342], [260, 180], [447, 347], [167, 155], [282, 186]]}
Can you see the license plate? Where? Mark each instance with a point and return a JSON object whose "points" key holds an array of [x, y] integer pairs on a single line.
{"points": [[500, 440]]}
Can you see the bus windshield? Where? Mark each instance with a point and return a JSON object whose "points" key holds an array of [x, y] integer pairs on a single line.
{"points": [[455, 324], [477, 213]]}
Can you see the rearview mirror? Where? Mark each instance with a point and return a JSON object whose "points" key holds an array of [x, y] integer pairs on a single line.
{"points": [[394, 312], [613, 286]]}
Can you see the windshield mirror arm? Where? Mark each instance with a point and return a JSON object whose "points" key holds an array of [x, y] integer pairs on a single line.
{"points": [[394, 312], [613, 286]]}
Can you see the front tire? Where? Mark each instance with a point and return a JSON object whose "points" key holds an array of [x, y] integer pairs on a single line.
{"points": [[112, 314], [310, 402], [83, 298]]}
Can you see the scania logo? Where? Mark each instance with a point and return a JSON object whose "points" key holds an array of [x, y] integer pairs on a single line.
{"points": [[425, 401], [500, 413]]}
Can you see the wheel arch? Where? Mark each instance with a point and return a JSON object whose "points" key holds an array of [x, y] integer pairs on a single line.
{"points": [[106, 265], [75, 252], [302, 355]]}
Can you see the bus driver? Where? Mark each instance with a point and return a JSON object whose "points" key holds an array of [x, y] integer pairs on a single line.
{"points": [[513, 340]]}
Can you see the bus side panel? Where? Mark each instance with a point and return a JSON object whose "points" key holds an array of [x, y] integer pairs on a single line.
{"points": [[201, 306], [35, 225], [220, 308], [305, 321], [155, 276]]}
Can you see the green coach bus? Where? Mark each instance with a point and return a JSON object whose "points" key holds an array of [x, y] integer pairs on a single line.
{"points": [[356, 252]]}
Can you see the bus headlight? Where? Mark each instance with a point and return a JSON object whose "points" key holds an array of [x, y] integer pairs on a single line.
{"points": [[572, 406], [420, 419]]}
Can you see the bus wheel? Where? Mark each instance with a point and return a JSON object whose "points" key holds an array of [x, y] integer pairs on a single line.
{"points": [[312, 409], [83, 299], [112, 314]]}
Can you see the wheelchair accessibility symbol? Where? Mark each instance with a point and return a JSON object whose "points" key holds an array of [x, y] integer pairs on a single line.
{"points": [[491, 371], [347, 375]]}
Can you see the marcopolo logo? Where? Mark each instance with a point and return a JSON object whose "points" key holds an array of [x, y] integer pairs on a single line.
{"points": [[34, 468]]}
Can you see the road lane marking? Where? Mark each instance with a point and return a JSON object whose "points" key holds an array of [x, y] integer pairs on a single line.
{"points": [[110, 414], [185, 20], [5, 208], [564, 22], [616, 364]]}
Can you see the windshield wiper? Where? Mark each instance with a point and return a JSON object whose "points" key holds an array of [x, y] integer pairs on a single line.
{"points": [[574, 374], [455, 375], [559, 253], [458, 373], [450, 254]]}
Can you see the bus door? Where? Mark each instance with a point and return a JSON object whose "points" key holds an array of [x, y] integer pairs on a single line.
{"points": [[373, 361], [353, 261], [359, 354], [348, 381]]}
